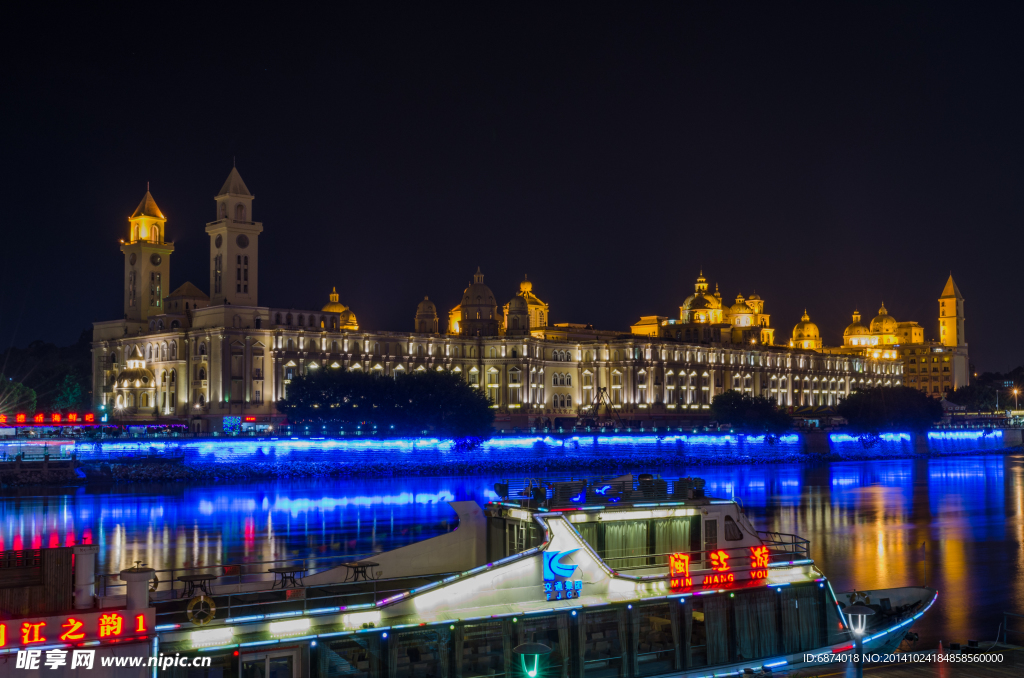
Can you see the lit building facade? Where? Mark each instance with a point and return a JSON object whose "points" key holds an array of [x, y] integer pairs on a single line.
{"points": [[220, 361]]}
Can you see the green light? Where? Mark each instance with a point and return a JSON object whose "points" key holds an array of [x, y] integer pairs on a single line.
{"points": [[536, 661]]}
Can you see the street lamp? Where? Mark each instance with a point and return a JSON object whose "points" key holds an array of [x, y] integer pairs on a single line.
{"points": [[1015, 392], [858, 615], [529, 656]]}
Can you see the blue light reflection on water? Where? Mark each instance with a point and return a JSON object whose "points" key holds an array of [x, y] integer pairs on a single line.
{"points": [[867, 521]]}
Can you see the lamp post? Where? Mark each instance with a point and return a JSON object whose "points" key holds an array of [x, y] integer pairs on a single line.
{"points": [[1015, 392], [858, 615], [529, 656]]}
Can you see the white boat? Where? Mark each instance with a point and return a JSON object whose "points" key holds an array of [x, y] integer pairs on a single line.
{"points": [[612, 578]]}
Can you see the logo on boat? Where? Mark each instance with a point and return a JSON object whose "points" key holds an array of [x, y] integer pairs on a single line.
{"points": [[558, 583]]}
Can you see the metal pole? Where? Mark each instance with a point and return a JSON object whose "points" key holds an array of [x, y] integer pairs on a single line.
{"points": [[859, 653]]}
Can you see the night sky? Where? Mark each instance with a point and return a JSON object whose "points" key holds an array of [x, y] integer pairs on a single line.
{"points": [[827, 155]]}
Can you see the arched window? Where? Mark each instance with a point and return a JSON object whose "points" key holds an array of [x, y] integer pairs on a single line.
{"points": [[144, 400], [472, 352], [615, 355], [202, 400], [302, 320], [323, 322], [223, 210], [568, 380], [149, 351], [160, 325], [175, 324], [376, 348], [515, 353], [419, 349], [312, 321], [163, 351], [174, 350], [334, 347], [568, 401], [492, 352], [291, 344], [174, 376], [515, 323], [277, 319], [202, 348], [239, 212], [202, 374]]}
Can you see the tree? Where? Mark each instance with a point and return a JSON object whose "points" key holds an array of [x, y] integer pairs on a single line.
{"points": [[436, 401], [890, 408], [16, 398], [68, 395], [753, 414], [976, 397]]}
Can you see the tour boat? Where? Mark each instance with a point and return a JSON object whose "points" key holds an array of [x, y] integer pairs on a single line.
{"points": [[597, 578]]}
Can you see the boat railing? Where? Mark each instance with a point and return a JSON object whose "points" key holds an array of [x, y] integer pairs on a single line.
{"points": [[110, 584], [737, 559], [786, 546], [599, 490], [248, 605], [1007, 616]]}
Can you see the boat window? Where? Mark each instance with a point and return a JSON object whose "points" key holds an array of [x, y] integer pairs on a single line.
{"points": [[642, 543], [732, 530], [550, 631], [483, 651], [654, 640], [710, 536], [755, 624], [801, 618], [420, 654], [716, 628], [698, 634], [603, 637], [352, 657]]}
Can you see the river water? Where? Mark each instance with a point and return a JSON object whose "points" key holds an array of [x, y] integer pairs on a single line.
{"points": [[956, 523]]}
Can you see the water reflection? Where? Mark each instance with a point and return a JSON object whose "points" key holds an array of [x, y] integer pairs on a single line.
{"points": [[954, 523]]}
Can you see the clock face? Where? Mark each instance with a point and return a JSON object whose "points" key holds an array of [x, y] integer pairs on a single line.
{"points": [[131, 259], [218, 241], [155, 259], [242, 241]]}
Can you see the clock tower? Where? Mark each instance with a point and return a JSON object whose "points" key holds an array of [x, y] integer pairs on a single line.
{"points": [[234, 246], [147, 261]]}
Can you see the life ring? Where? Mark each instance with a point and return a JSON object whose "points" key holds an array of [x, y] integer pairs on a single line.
{"points": [[153, 583], [201, 610]]}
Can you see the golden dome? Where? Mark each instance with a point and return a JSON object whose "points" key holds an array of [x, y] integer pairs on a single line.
{"points": [[426, 308], [526, 285], [883, 323], [740, 306], [855, 328], [805, 329], [334, 306], [348, 320]]}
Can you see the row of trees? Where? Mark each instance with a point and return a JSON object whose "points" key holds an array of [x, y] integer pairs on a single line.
{"points": [[870, 411], [439, 402], [990, 392]]}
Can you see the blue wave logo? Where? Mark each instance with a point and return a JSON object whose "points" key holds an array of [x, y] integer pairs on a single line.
{"points": [[554, 569]]}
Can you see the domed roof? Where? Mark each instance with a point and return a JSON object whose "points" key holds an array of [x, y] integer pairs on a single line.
{"points": [[526, 285], [755, 297], [426, 307], [518, 305], [334, 306], [805, 329], [697, 302], [133, 374], [740, 306], [348, 318], [855, 328], [883, 323], [478, 294]]}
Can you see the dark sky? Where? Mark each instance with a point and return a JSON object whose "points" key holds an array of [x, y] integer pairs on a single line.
{"points": [[826, 155]]}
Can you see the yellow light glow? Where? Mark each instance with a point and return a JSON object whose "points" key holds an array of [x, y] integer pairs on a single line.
{"points": [[290, 626], [213, 636], [357, 619]]}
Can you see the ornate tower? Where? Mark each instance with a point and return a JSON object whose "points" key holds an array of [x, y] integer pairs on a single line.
{"points": [[147, 265], [951, 315], [234, 246]]}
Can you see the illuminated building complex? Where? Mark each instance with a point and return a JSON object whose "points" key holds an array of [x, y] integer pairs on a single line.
{"points": [[223, 360]]}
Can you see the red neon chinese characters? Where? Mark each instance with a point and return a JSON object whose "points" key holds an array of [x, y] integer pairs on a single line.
{"points": [[110, 625], [38, 419], [55, 418], [89, 418], [679, 570], [32, 633], [74, 629], [3, 635], [250, 419], [72, 417], [719, 561], [140, 621], [679, 565], [19, 419], [3, 418], [759, 556]]}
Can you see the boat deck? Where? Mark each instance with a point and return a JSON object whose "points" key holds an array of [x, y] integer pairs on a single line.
{"points": [[1012, 666]]}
